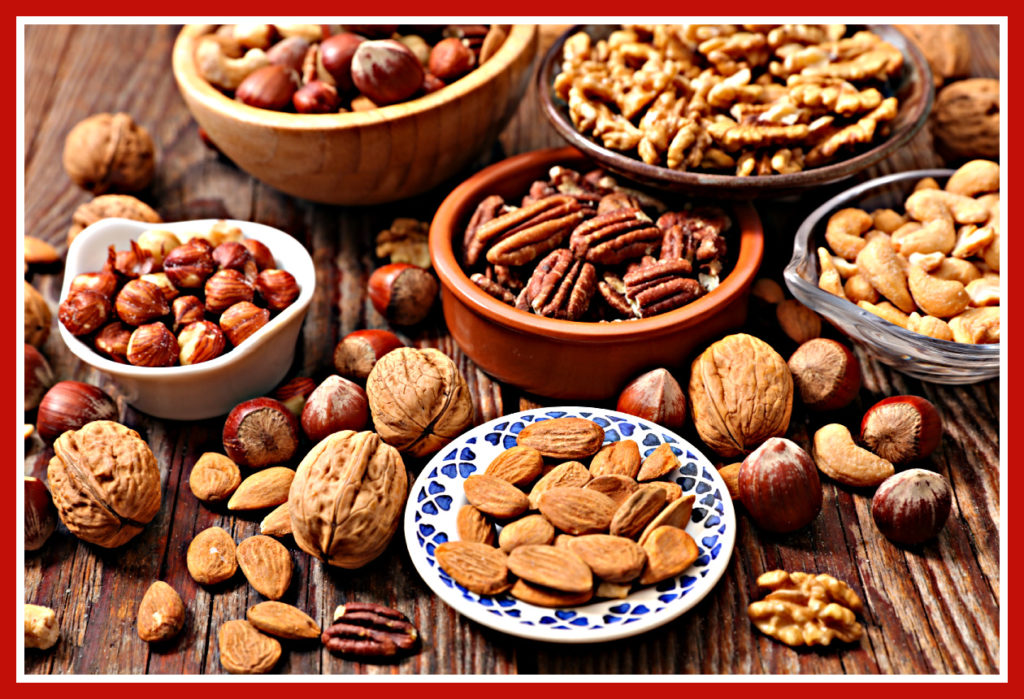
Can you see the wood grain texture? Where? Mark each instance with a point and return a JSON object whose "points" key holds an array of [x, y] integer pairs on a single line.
{"points": [[929, 609]]}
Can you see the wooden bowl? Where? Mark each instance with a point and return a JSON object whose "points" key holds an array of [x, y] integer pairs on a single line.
{"points": [[369, 157], [568, 359]]}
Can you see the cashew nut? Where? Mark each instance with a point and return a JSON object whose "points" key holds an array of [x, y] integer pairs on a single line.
{"points": [[875, 233], [846, 268], [937, 297], [829, 280], [926, 183], [886, 311], [976, 325], [930, 326], [984, 291], [929, 262], [955, 268], [879, 263], [935, 203], [252, 35], [220, 69], [858, 289], [887, 220], [844, 231], [975, 177], [971, 240], [936, 235], [991, 202], [991, 254], [838, 457], [309, 32]]}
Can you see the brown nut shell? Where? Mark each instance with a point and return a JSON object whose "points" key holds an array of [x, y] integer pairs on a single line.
{"points": [[109, 152], [779, 485]]}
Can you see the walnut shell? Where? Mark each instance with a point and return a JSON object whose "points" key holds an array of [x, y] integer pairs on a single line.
{"points": [[347, 498], [946, 47], [105, 482], [38, 317], [741, 393], [418, 399], [110, 206], [965, 119], [109, 152]]}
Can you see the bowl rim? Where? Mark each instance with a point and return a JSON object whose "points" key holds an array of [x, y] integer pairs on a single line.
{"points": [[458, 205], [825, 174], [843, 307], [520, 38], [304, 272]]}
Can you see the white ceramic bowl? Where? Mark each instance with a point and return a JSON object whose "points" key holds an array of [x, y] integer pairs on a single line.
{"points": [[212, 388]]}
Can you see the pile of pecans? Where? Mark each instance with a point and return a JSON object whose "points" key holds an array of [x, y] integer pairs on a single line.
{"points": [[581, 247], [754, 99], [156, 303]]}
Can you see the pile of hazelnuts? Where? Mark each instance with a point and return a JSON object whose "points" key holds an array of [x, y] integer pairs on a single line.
{"points": [[164, 303]]}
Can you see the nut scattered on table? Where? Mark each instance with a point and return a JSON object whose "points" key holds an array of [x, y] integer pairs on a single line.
{"points": [[779, 486], [161, 613], [263, 489], [901, 429], [40, 514], [266, 564], [336, 404], [37, 317], [826, 374], [357, 353], [655, 396], [244, 650], [806, 609], [965, 119], [38, 377], [912, 506], [109, 152], [211, 556], [41, 630], [282, 620], [110, 206], [260, 432], [365, 629]]}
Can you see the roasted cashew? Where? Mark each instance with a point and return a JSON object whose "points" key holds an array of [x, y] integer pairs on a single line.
{"points": [[875, 233], [844, 231], [971, 240], [880, 264], [846, 268], [984, 291], [934, 203], [937, 297], [955, 268], [858, 288], [991, 254], [252, 35], [929, 262], [221, 70], [838, 457], [976, 325], [886, 311], [829, 280], [991, 202], [887, 220], [309, 32], [930, 326], [973, 178], [936, 235], [926, 183]]}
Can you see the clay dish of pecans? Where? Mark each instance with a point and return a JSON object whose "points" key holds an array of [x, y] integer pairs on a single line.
{"points": [[562, 280]]}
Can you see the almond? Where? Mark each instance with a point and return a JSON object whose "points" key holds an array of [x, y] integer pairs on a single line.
{"points": [[673, 491], [278, 523], [552, 567], [283, 620], [520, 466], [571, 474], [621, 458], [214, 477], [546, 597], [477, 567], [675, 514], [211, 556], [611, 558], [577, 511], [617, 487], [609, 590], [39, 252], [161, 613], [533, 529], [244, 650], [267, 565], [495, 497], [473, 526], [669, 551], [637, 511], [563, 437], [562, 540], [659, 462], [266, 488]]}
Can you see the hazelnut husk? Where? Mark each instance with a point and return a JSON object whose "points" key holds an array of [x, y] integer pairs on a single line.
{"points": [[40, 514], [153, 345], [336, 404], [358, 352], [109, 152], [37, 317], [38, 377], [779, 486], [826, 374], [901, 429], [912, 506], [402, 293], [69, 405], [260, 432]]}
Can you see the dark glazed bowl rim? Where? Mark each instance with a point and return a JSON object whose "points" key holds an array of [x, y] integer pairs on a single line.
{"points": [[459, 205], [910, 120]]}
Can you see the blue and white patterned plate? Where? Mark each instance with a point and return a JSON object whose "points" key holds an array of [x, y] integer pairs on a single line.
{"points": [[437, 495]]}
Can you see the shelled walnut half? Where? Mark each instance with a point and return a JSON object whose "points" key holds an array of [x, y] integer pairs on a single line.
{"points": [[806, 609]]}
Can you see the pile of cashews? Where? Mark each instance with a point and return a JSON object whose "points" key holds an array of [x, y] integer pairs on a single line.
{"points": [[933, 270]]}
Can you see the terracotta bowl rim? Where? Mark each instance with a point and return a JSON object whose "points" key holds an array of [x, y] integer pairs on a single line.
{"points": [[458, 206], [520, 38]]}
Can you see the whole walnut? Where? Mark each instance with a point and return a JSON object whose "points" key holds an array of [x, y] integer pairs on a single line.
{"points": [[105, 482], [418, 399], [37, 317], [965, 119], [741, 393], [109, 152], [946, 47], [110, 206], [347, 498]]}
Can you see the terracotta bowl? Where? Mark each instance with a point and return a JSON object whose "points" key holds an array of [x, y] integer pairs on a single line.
{"points": [[369, 157], [567, 359]]}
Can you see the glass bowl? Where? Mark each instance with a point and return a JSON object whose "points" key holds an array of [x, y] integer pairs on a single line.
{"points": [[922, 357]]}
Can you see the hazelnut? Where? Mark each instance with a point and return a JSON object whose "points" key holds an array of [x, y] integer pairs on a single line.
{"points": [[70, 404], [386, 71], [40, 514], [767, 291], [431, 83], [901, 429], [294, 393], [158, 243], [798, 321], [233, 255], [270, 87], [200, 341], [825, 373], [226, 288], [84, 312], [337, 404], [402, 293], [104, 282], [112, 340], [358, 351], [133, 262], [37, 317], [152, 345], [278, 288], [243, 319], [189, 264], [912, 506], [38, 377], [779, 486], [655, 396], [288, 53], [170, 291], [140, 302], [187, 309], [109, 152], [260, 252], [450, 59], [316, 97], [336, 57], [260, 432]]}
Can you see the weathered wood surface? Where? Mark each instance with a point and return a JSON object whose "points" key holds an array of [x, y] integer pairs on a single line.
{"points": [[930, 610]]}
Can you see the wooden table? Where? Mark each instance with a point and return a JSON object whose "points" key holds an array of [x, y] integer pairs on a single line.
{"points": [[930, 610]]}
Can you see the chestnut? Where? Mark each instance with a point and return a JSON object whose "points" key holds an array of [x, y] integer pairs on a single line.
{"points": [[912, 506], [359, 351], [654, 396], [38, 377], [260, 432], [69, 405], [40, 514], [402, 293], [337, 404], [901, 429], [779, 486]]}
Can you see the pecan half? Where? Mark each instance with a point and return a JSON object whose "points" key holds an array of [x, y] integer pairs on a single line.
{"points": [[617, 236], [487, 210], [695, 236], [561, 287], [493, 289], [661, 287], [367, 629], [524, 234], [613, 291]]}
